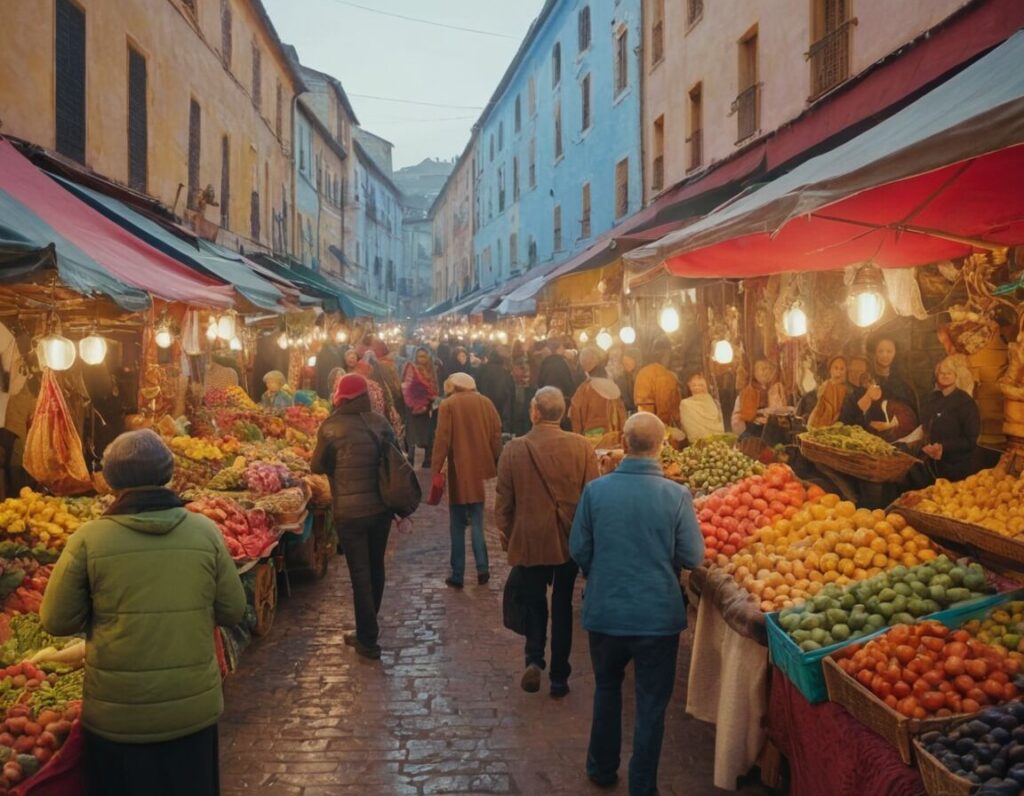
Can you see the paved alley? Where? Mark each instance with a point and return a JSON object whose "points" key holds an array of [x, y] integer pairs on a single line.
{"points": [[442, 712]]}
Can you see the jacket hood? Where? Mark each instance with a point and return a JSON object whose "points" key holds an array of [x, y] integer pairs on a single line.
{"points": [[154, 522]]}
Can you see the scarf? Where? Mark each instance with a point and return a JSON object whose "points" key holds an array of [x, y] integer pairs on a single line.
{"points": [[140, 500], [419, 387], [701, 417]]}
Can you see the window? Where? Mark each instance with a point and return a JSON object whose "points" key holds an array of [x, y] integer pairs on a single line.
{"points": [[138, 122], [519, 113], [501, 136], [830, 53], [257, 75], [658, 146], [531, 96], [194, 143], [515, 178], [531, 177], [531, 252], [746, 103], [492, 147], [69, 57], [225, 182], [621, 61], [558, 130], [225, 32], [696, 138], [694, 11], [583, 28], [556, 65], [302, 152], [585, 214], [585, 103], [190, 5], [279, 110], [622, 188], [557, 224], [513, 252], [254, 215], [501, 188], [501, 254], [657, 31]]}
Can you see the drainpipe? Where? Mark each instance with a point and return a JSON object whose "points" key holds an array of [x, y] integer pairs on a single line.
{"points": [[641, 81]]}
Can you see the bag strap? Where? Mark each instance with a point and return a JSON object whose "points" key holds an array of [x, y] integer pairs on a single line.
{"points": [[379, 442], [540, 472]]}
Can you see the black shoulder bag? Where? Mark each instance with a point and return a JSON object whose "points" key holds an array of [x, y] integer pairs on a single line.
{"points": [[396, 480]]}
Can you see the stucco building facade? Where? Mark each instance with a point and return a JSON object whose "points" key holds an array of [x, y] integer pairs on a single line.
{"points": [[451, 217]]}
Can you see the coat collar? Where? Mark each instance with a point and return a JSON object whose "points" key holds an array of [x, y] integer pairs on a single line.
{"points": [[635, 465]]}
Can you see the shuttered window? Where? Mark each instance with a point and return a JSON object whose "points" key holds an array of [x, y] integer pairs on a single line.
{"points": [[257, 75], [621, 188], [69, 55], [279, 111], [558, 130], [254, 215], [556, 64], [226, 22], [583, 25], [225, 182], [585, 215], [621, 61], [194, 142], [557, 224], [138, 123], [585, 103]]}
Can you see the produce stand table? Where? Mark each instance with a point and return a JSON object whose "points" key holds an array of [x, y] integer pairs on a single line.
{"points": [[830, 752]]}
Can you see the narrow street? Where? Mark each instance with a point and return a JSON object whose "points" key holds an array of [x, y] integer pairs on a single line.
{"points": [[442, 712]]}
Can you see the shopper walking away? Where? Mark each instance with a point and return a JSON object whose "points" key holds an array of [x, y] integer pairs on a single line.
{"points": [[419, 388], [540, 479], [349, 446], [147, 583], [633, 533], [556, 372], [656, 388], [495, 382], [468, 440], [522, 397]]}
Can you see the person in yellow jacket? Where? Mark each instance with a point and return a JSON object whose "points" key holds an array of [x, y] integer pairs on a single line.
{"points": [[657, 388]]}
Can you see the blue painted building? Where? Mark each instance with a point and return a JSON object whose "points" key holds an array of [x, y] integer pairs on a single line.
{"points": [[558, 158]]}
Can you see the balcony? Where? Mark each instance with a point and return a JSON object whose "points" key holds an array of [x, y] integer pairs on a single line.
{"points": [[696, 141], [657, 41], [830, 59], [658, 173], [747, 107]]}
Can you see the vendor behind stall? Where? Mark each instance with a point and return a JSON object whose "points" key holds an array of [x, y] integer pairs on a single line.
{"points": [[656, 388], [597, 410], [764, 392], [950, 425], [277, 395], [700, 413], [831, 395]]}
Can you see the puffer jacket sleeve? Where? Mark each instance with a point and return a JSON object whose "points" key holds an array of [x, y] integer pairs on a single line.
{"points": [[67, 603], [229, 604], [322, 461]]}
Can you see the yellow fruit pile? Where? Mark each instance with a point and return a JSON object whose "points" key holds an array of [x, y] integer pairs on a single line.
{"points": [[35, 519], [196, 448], [827, 541], [991, 498]]}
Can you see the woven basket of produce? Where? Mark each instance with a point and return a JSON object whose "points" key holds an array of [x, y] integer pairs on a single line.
{"points": [[939, 780], [320, 489], [854, 451]]}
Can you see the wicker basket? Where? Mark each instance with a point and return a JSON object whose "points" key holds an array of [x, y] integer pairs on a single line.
{"points": [[964, 533], [873, 713], [879, 469], [939, 780]]}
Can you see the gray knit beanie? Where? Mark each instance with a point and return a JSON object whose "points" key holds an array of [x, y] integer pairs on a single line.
{"points": [[137, 458]]}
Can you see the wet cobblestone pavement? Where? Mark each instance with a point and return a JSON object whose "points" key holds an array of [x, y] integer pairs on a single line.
{"points": [[442, 712]]}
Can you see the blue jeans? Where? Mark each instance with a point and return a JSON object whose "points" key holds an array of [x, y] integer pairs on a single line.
{"points": [[459, 516], [654, 664]]}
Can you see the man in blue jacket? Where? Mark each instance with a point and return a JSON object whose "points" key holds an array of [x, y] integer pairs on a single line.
{"points": [[633, 532]]}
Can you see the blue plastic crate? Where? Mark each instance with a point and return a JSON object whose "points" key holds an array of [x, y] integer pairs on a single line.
{"points": [[804, 668]]}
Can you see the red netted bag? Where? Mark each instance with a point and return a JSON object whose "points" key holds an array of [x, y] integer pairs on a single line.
{"points": [[53, 450]]}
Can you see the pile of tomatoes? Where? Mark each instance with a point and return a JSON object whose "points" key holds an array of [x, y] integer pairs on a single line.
{"points": [[728, 516], [928, 670]]}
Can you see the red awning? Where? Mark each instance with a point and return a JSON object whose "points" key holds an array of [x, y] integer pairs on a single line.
{"points": [[121, 254]]}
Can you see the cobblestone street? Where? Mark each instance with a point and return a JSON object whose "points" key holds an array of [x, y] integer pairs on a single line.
{"points": [[442, 712]]}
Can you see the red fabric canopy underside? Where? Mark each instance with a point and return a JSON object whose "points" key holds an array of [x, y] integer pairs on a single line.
{"points": [[976, 199], [120, 253]]}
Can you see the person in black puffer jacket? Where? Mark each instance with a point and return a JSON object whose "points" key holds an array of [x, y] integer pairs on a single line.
{"points": [[495, 382], [348, 451]]}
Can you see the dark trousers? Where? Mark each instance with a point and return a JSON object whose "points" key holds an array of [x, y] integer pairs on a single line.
{"points": [[365, 541], [654, 665], [186, 766], [562, 579]]}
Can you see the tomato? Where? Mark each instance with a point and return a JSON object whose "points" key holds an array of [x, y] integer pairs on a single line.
{"points": [[961, 636], [920, 687], [901, 689], [759, 505], [746, 499], [954, 665], [955, 649], [978, 696], [885, 689], [998, 676], [1010, 691], [969, 706], [953, 702], [963, 683], [976, 668], [1011, 665], [864, 677], [932, 643], [904, 653], [756, 490], [891, 701], [714, 503], [934, 677], [907, 706], [933, 700], [992, 689], [814, 492]]}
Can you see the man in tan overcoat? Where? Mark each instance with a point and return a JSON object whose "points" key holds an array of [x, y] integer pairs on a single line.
{"points": [[540, 478], [468, 438]]}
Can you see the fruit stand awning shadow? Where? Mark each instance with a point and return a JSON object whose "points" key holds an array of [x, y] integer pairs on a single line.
{"points": [[929, 183]]}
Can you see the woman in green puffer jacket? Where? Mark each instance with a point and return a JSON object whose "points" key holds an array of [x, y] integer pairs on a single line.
{"points": [[147, 583]]}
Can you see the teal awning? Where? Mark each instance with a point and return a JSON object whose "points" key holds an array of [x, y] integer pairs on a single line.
{"points": [[246, 283], [338, 296]]}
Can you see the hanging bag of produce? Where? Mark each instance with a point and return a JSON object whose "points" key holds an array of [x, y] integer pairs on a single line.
{"points": [[399, 488], [53, 450]]}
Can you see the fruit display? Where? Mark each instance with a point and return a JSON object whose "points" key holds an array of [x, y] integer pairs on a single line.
{"points": [[993, 499], [287, 501], [33, 519], [251, 421], [927, 670], [247, 534], [305, 418], [233, 397], [27, 596], [728, 516], [25, 638], [28, 739], [849, 438], [898, 596], [708, 465], [828, 540], [266, 478], [987, 750], [1003, 627]]}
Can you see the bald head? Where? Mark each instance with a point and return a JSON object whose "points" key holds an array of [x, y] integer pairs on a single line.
{"points": [[644, 433], [548, 405]]}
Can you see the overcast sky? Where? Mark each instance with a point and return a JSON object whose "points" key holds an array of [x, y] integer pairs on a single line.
{"points": [[385, 56]]}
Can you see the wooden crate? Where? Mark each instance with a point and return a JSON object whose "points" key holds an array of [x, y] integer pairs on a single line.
{"points": [[939, 780]]}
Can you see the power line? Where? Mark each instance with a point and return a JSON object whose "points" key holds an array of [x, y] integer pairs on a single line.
{"points": [[426, 21], [418, 102]]}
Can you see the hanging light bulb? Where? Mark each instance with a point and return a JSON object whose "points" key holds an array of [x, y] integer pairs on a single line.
{"points": [[503, 337], [865, 304], [92, 349], [226, 325], [584, 337], [211, 329], [794, 321], [163, 337], [668, 320], [340, 336], [627, 334], [56, 352], [282, 341], [604, 340], [311, 361], [722, 352], [235, 344]]}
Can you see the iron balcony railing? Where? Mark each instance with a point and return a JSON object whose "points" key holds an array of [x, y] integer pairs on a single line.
{"points": [[747, 107], [830, 58]]}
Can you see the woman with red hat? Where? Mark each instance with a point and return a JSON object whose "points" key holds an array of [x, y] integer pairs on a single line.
{"points": [[348, 451]]}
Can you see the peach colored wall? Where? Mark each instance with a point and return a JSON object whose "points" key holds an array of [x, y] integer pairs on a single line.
{"points": [[183, 61], [707, 52], [453, 229]]}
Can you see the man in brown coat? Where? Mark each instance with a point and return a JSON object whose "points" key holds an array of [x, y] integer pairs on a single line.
{"points": [[468, 438], [540, 479]]}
